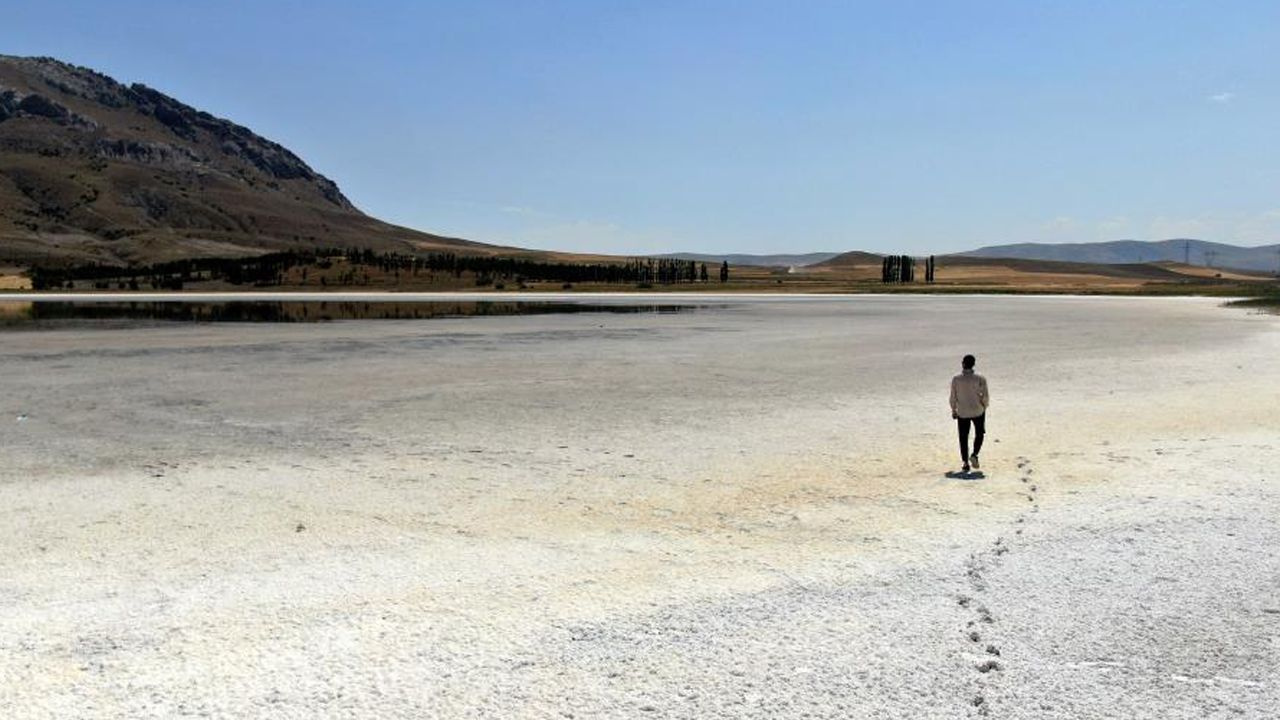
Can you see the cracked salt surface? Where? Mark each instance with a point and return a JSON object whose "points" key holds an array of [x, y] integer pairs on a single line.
{"points": [[738, 513]]}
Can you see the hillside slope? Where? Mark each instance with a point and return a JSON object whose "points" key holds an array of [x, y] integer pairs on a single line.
{"points": [[776, 260], [1135, 271], [91, 169], [853, 258]]}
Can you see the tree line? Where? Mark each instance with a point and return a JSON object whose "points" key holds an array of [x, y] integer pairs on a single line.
{"points": [[271, 269]]}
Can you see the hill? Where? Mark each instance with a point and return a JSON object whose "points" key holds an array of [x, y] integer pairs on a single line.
{"points": [[779, 260], [1180, 250], [853, 258], [1021, 274], [94, 170], [868, 264], [1134, 271]]}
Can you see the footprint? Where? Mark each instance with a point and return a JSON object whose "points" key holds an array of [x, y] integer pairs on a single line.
{"points": [[976, 581], [975, 573]]}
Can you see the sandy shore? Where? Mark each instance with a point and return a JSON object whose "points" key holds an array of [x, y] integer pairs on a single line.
{"points": [[735, 512]]}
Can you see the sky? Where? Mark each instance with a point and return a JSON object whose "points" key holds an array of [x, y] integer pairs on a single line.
{"points": [[737, 126]]}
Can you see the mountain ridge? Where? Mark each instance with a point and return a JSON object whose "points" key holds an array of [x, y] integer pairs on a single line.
{"points": [[93, 170]]}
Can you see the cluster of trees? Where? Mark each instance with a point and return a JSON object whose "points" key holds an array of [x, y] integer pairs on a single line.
{"points": [[898, 269], [902, 269], [261, 270], [271, 269], [665, 271]]}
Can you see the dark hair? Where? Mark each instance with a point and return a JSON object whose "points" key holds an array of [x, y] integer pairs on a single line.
{"points": [[968, 361]]}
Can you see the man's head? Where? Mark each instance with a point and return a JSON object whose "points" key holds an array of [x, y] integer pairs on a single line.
{"points": [[968, 362]]}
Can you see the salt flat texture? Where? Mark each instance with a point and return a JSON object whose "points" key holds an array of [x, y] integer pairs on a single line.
{"points": [[737, 512]]}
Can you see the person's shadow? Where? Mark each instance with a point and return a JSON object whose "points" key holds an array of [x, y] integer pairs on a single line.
{"points": [[961, 475]]}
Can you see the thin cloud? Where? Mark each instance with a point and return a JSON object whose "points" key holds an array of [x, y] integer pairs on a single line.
{"points": [[524, 211], [1222, 98]]}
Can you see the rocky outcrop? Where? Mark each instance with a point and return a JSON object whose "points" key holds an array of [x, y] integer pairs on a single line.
{"points": [[80, 98], [15, 105]]}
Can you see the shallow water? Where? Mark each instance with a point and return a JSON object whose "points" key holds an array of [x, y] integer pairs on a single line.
{"points": [[121, 314]]}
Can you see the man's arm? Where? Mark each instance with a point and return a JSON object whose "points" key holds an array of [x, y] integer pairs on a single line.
{"points": [[953, 397], [983, 395]]}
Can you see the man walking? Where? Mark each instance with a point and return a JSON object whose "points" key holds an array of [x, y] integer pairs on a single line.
{"points": [[969, 401]]}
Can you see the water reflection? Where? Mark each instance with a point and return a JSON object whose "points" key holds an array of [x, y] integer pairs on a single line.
{"points": [[25, 315], [1268, 305]]}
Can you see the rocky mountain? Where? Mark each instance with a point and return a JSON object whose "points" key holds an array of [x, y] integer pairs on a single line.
{"points": [[1180, 250], [92, 169]]}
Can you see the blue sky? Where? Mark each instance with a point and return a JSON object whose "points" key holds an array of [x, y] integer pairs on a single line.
{"points": [[641, 127]]}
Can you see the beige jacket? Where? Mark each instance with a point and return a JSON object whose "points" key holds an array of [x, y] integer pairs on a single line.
{"points": [[969, 396]]}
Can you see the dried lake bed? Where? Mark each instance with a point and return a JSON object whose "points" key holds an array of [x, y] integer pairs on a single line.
{"points": [[738, 507]]}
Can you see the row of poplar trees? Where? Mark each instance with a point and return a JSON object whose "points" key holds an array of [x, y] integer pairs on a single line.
{"points": [[902, 269], [271, 269]]}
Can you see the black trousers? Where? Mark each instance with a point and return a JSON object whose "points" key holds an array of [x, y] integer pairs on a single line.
{"points": [[980, 429]]}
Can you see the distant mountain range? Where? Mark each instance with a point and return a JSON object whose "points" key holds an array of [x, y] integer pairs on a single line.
{"points": [[94, 170], [1264, 259], [782, 260], [1128, 252]]}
